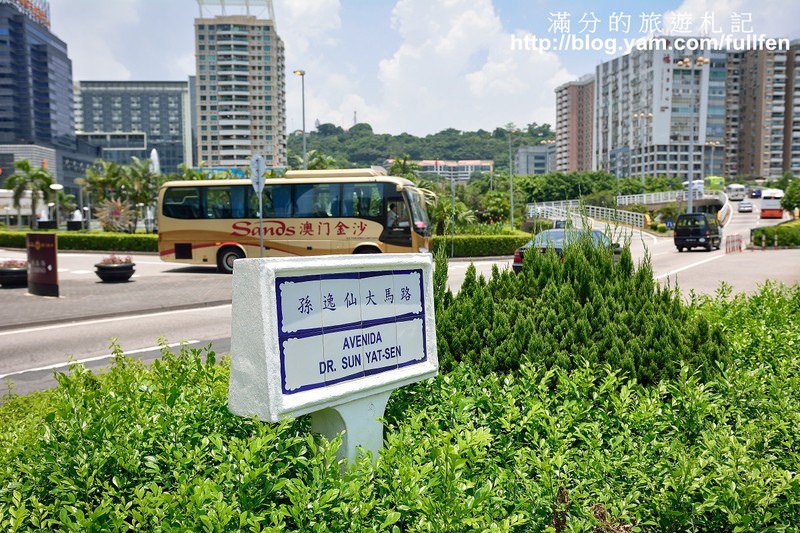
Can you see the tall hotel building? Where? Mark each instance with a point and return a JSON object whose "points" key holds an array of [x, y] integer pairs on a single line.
{"points": [[791, 132], [644, 102], [37, 120], [574, 125], [240, 84], [130, 118]]}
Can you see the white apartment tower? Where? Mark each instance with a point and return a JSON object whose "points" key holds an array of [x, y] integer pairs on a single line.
{"points": [[241, 100], [644, 102]]}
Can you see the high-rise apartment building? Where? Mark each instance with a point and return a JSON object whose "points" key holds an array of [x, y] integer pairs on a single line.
{"points": [[574, 124], [130, 118], [644, 103], [759, 109], [791, 130], [241, 102]]}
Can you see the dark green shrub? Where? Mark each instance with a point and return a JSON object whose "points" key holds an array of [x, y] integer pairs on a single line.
{"points": [[80, 240], [480, 245], [584, 309]]}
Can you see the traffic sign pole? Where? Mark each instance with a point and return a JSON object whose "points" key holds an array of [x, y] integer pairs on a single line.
{"points": [[258, 166]]}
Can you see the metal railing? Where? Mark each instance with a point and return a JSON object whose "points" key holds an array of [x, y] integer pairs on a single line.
{"points": [[572, 210]]}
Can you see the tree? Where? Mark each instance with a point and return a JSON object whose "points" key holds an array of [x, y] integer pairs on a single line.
{"points": [[404, 168], [319, 161], [28, 178], [140, 187], [791, 196]]}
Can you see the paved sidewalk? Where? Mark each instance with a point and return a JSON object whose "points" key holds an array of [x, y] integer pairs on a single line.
{"points": [[89, 298]]}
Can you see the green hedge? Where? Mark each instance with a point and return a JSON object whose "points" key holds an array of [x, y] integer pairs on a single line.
{"points": [[79, 240], [788, 234], [480, 245]]}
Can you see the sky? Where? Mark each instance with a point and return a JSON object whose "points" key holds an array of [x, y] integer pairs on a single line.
{"points": [[416, 66]]}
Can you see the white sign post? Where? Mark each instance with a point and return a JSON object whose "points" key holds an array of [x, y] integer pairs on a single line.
{"points": [[258, 167], [331, 336]]}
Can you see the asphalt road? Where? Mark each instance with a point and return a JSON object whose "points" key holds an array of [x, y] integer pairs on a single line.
{"points": [[30, 355]]}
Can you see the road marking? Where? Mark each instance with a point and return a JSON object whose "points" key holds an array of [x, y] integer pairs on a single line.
{"points": [[106, 320], [82, 271], [687, 267], [91, 359]]}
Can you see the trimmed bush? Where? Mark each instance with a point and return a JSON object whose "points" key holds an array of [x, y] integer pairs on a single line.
{"points": [[583, 309], [480, 245], [79, 240], [661, 228], [788, 234]]}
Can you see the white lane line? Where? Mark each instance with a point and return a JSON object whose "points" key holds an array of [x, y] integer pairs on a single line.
{"points": [[106, 320], [687, 267], [91, 359]]}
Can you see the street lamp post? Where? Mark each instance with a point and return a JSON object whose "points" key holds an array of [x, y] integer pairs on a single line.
{"points": [[691, 63], [713, 145], [511, 176], [302, 74], [641, 116], [57, 187]]}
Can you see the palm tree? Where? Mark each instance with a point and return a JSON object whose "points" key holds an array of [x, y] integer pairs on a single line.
{"points": [[319, 161], [140, 186], [404, 168], [28, 178]]}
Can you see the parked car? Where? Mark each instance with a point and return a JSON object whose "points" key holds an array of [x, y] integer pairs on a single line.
{"points": [[558, 239], [746, 206], [697, 230]]}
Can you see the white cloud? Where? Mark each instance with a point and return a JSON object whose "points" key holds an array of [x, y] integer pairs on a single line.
{"points": [[455, 68]]}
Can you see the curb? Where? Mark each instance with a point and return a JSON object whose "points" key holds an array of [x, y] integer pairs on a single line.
{"points": [[76, 319], [97, 252]]}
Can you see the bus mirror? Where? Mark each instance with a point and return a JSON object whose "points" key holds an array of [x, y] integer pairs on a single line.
{"points": [[399, 187]]}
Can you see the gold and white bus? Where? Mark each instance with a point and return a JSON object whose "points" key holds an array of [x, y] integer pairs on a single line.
{"points": [[306, 212]]}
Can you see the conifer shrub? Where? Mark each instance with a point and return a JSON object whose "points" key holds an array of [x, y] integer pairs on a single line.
{"points": [[585, 308]]}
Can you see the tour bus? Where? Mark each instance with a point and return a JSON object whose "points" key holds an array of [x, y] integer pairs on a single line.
{"points": [[306, 212], [735, 192], [771, 203]]}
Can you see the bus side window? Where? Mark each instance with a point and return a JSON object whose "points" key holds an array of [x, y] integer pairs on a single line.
{"points": [[182, 202], [218, 202], [363, 200], [280, 204], [238, 193]]}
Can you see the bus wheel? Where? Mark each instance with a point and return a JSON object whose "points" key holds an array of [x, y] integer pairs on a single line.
{"points": [[226, 257], [367, 250]]}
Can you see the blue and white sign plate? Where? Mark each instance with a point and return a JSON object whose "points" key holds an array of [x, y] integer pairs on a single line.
{"points": [[310, 332]]}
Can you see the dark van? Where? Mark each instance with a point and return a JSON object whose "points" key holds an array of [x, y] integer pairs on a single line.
{"points": [[697, 230]]}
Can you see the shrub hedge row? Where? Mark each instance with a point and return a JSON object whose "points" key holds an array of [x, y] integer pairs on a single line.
{"points": [[788, 234], [465, 245], [79, 240], [479, 245]]}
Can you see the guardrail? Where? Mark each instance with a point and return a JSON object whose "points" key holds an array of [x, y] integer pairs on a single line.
{"points": [[668, 196], [573, 210]]}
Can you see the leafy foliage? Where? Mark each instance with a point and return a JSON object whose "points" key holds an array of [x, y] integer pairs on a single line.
{"points": [[155, 448], [480, 245], [788, 234], [584, 309]]}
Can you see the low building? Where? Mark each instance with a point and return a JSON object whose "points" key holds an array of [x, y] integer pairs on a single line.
{"points": [[539, 159], [461, 170]]}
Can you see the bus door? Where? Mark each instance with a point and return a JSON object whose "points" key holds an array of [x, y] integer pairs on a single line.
{"points": [[397, 224]]}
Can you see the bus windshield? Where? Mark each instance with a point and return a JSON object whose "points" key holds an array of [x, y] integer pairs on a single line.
{"points": [[418, 212]]}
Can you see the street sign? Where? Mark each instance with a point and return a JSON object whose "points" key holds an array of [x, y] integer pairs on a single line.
{"points": [[258, 167], [330, 337], [42, 264]]}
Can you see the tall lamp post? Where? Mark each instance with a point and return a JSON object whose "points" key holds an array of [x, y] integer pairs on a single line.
{"points": [[302, 74], [511, 176], [692, 64], [56, 187], [641, 116], [713, 145]]}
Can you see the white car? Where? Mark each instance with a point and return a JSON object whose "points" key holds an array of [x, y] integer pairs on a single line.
{"points": [[745, 206]]}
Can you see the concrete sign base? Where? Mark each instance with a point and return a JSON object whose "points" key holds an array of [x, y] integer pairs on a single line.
{"points": [[359, 422], [332, 336]]}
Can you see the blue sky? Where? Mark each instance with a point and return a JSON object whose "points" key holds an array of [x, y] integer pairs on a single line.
{"points": [[403, 65]]}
